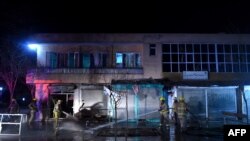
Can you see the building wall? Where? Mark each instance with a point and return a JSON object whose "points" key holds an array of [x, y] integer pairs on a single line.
{"points": [[151, 65]]}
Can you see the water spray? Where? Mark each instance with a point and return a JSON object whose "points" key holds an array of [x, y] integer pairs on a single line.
{"points": [[92, 130]]}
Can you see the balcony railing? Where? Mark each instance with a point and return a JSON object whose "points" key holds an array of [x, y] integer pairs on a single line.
{"points": [[88, 70]]}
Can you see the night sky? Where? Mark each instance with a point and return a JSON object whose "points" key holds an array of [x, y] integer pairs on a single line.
{"points": [[182, 17], [20, 19]]}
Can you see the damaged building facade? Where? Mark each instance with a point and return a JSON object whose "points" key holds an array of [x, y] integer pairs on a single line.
{"points": [[210, 70]]}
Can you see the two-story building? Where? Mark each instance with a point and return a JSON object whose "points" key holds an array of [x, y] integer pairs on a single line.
{"points": [[209, 70]]}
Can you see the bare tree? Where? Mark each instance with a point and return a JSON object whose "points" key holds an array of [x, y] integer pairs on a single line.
{"points": [[12, 64], [32, 89], [115, 99], [13, 31]]}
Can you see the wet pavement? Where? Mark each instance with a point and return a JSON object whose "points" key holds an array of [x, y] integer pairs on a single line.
{"points": [[74, 131]]}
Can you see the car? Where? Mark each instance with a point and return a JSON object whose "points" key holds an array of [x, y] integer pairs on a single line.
{"points": [[96, 112]]}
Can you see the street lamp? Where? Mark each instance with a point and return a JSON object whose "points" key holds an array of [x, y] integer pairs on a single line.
{"points": [[33, 46]]}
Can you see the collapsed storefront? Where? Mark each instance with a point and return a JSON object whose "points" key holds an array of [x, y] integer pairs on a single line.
{"points": [[139, 99]]}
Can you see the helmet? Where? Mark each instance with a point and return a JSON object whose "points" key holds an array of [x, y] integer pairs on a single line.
{"points": [[181, 98], [59, 101], [162, 98]]}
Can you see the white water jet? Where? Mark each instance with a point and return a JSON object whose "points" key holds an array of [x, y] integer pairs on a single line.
{"points": [[92, 130]]}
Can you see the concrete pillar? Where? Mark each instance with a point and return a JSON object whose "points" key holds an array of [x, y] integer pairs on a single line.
{"points": [[239, 100]]}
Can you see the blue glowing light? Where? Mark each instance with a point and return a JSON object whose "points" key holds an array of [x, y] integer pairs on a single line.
{"points": [[33, 46], [23, 98], [118, 58], [1, 88]]}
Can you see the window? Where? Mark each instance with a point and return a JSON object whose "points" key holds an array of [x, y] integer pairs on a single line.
{"points": [[119, 60], [182, 67], [165, 58], [206, 57], [220, 57], [211, 48], [229, 67], [182, 57], [128, 60], [152, 49], [166, 68], [73, 60], [174, 57], [174, 48], [204, 48], [86, 60], [189, 48], [197, 67], [197, 58], [101, 60], [221, 67], [220, 48], [62, 60], [138, 60], [51, 59], [174, 67], [197, 48]]}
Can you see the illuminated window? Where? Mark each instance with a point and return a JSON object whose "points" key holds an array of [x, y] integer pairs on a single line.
{"points": [[128, 60], [119, 60]]}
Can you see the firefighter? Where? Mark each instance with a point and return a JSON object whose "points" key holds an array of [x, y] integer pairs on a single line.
{"points": [[33, 110], [57, 112], [163, 112], [175, 115], [182, 113], [14, 107]]}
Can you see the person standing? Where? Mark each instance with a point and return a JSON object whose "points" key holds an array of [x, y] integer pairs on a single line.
{"points": [[163, 112], [44, 111], [13, 107], [182, 113], [57, 113], [33, 110], [175, 115]]}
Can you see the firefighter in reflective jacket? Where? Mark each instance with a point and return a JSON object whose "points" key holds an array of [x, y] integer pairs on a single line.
{"points": [[182, 113], [33, 110], [163, 112], [57, 112]]}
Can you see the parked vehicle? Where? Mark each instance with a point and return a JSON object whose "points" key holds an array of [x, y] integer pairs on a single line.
{"points": [[96, 112]]}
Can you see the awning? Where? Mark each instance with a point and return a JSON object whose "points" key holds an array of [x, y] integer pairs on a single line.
{"points": [[62, 88]]}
